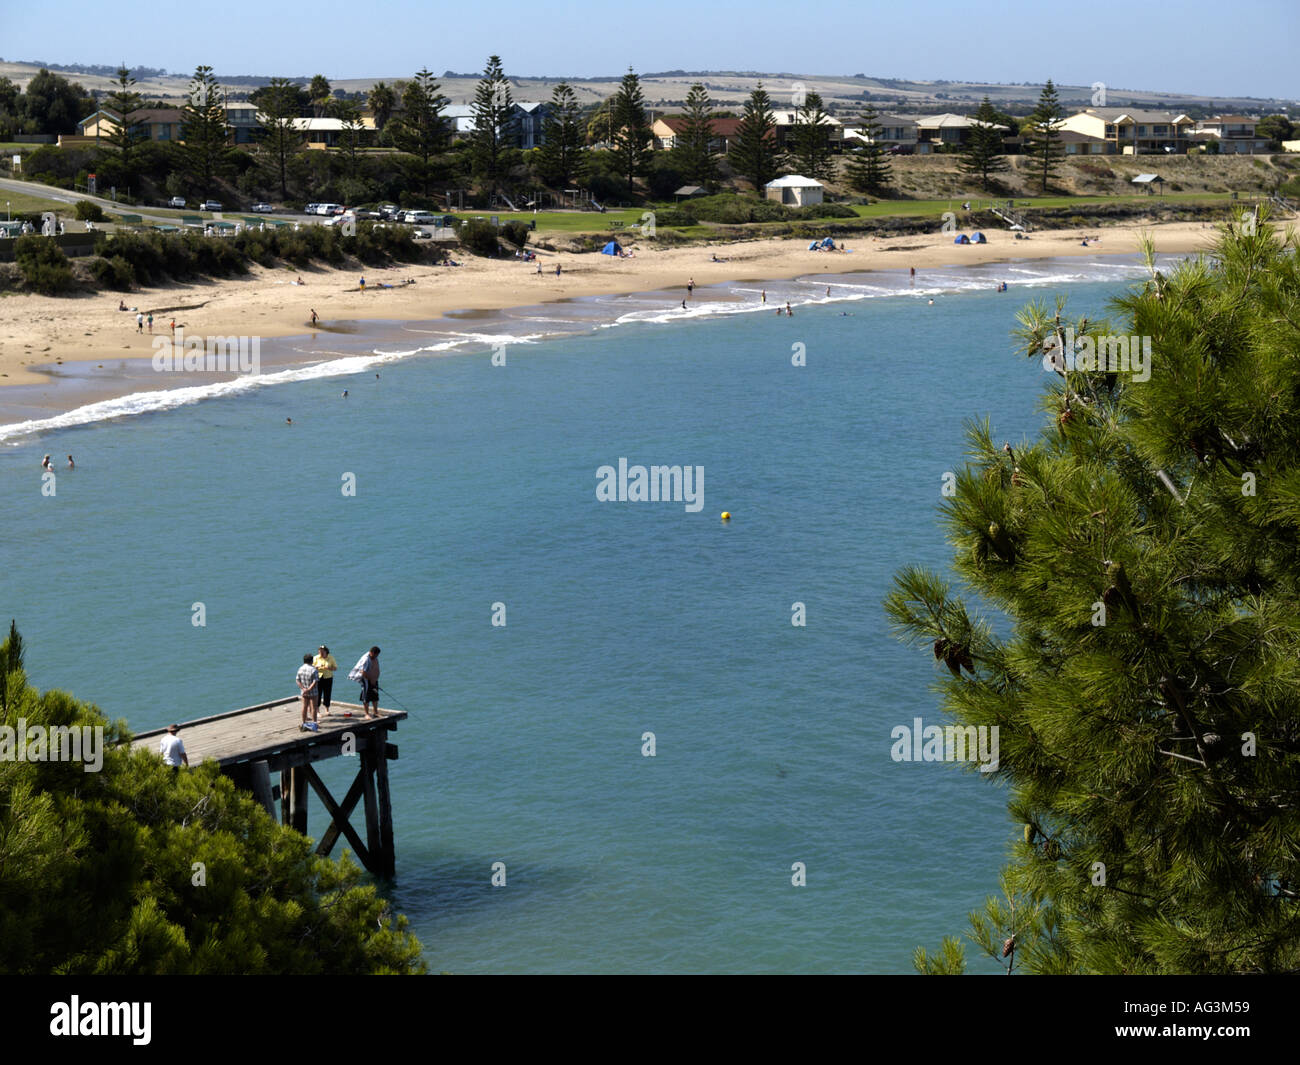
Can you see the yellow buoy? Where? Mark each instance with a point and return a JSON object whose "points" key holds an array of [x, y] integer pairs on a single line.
{"points": [[726, 515]]}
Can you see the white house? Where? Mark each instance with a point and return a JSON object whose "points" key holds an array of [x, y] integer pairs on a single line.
{"points": [[794, 190]]}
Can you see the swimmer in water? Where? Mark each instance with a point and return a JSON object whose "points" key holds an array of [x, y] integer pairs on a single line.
{"points": [[932, 303], [288, 421], [45, 464], [345, 393], [788, 313], [683, 305], [71, 465]]}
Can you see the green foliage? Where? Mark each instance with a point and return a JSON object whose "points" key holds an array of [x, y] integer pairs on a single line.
{"points": [[479, 236], [950, 961], [115, 273], [516, 232], [632, 135], [1277, 128], [1043, 137], [1147, 697], [674, 216], [206, 154], [123, 103], [692, 152], [43, 265], [88, 211], [97, 870], [492, 125], [868, 170], [562, 138], [754, 153], [982, 156], [811, 141], [421, 130]]}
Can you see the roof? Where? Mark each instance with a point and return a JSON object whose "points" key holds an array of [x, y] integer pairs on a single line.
{"points": [[719, 127], [1133, 114], [1215, 120], [1145, 179], [690, 190], [794, 181]]}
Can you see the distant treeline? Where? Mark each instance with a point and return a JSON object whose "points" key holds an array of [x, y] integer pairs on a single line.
{"points": [[100, 69]]}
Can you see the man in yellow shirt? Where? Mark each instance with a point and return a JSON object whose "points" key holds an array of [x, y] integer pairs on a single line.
{"points": [[325, 666]]}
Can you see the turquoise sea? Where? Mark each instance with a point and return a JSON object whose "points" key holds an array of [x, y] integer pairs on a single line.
{"points": [[475, 486]]}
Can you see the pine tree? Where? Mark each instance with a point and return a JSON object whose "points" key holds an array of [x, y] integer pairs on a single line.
{"points": [[123, 103], [207, 152], [1043, 136], [1146, 547], [692, 148], [868, 170], [562, 137], [811, 140], [493, 105], [631, 129], [279, 139], [421, 130], [755, 154], [982, 156]]}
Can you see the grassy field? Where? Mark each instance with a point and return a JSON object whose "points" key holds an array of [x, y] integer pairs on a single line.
{"points": [[21, 203]]}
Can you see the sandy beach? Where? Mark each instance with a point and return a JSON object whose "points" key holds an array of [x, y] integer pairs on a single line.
{"points": [[41, 331]]}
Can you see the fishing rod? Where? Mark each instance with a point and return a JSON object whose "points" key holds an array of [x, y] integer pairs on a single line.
{"points": [[395, 699]]}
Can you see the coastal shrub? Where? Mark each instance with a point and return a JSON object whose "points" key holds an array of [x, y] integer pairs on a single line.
{"points": [[823, 210], [673, 216], [114, 273], [479, 237], [43, 265], [88, 212], [515, 232]]}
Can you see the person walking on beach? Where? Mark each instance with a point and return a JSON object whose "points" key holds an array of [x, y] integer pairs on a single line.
{"points": [[363, 284], [173, 327], [313, 317], [172, 749], [308, 680], [139, 322], [366, 673], [764, 295], [690, 288], [150, 322], [557, 270], [325, 669]]}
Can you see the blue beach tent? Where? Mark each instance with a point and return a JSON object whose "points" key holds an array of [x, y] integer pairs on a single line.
{"points": [[828, 243], [977, 238], [963, 239], [813, 246], [612, 248]]}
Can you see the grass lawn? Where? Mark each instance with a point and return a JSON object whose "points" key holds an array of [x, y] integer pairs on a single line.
{"points": [[20, 203]]}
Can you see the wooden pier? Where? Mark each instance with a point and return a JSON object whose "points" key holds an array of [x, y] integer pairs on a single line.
{"points": [[251, 744]]}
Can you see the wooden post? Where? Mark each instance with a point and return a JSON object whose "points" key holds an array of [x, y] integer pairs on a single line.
{"points": [[286, 797], [373, 843], [298, 798], [387, 859], [260, 781]]}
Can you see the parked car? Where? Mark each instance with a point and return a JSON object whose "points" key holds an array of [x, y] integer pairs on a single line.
{"points": [[389, 211], [261, 208], [177, 201], [310, 208], [210, 205], [420, 218]]}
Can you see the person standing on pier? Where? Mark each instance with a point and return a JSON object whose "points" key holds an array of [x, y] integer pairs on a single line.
{"points": [[325, 668], [308, 680], [366, 672], [172, 749]]}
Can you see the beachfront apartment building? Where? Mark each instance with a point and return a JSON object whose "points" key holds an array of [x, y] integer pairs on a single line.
{"points": [[320, 133], [1235, 134], [149, 123], [667, 129], [898, 133], [524, 127], [1133, 131], [787, 121]]}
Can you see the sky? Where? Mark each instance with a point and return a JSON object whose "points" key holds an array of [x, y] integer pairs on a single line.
{"points": [[1204, 47]]}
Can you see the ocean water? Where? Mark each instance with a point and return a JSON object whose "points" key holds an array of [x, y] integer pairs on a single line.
{"points": [[476, 486]]}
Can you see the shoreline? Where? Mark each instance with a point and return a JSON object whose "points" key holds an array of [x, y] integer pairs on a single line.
{"points": [[46, 367]]}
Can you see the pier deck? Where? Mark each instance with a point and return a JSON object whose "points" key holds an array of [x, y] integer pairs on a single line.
{"points": [[252, 743]]}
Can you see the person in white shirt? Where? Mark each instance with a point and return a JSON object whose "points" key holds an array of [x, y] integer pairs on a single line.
{"points": [[308, 683], [172, 749]]}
